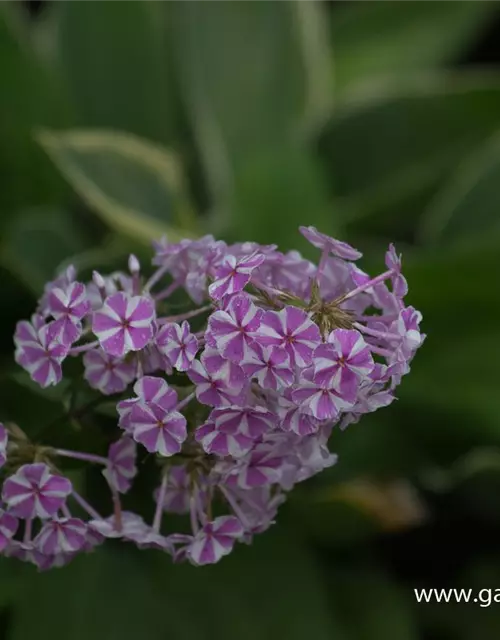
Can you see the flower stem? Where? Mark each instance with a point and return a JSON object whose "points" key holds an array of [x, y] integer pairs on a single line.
{"points": [[156, 277], [381, 352], [383, 335], [193, 516], [77, 455], [167, 292], [185, 316], [117, 507], [367, 285], [159, 504], [234, 506], [86, 506], [27, 531], [184, 402], [83, 347]]}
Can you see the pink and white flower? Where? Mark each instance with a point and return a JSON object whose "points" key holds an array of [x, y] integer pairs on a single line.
{"points": [[153, 420], [329, 245], [292, 330], [68, 305], [121, 469], [124, 323], [233, 329], [269, 366], [33, 491], [8, 528], [108, 374], [40, 352], [261, 467], [344, 360], [320, 399], [215, 540], [177, 344], [234, 274], [61, 535], [215, 389]]}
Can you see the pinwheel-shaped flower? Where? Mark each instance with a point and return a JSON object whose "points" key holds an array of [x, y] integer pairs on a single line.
{"points": [[233, 330], [61, 535], [40, 352], [33, 491], [68, 306], [177, 344], [214, 540], [124, 323], [271, 367], [323, 401], [153, 420], [290, 329], [106, 373], [233, 274], [343, 361], [233, 430], [217, 387]]}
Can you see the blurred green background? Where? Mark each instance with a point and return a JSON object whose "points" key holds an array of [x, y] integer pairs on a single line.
{"points": [[375, 121]]}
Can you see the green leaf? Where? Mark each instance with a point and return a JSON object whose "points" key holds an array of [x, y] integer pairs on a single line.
{"points": [[31, 97], [14, 575], [29, 410], [123, 80], [447, 376], [381, 151], [373, 40], [455, 372], [270, 588], [37, 241], [469, 202], [276, 192], [135, 186], [251, 75]]}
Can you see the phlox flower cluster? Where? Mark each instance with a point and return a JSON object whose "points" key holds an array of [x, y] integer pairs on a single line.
{"points": [[235, 398]]}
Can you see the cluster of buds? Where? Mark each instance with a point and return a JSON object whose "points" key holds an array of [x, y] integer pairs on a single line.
{"points": [[235, 399]]}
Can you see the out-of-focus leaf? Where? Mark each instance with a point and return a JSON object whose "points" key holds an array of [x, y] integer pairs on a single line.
{"points": [[250, 74], [234, 599], [277, 191], [134, 185], [37, 241], [455, 370], [114, 59], [445, 377], [381, 151], [331, 525], [14, 576], [30, 97], [30, 411], [336, 514], [20, 305], [469, 202], [370, 604], [374, 39], [87, 598], [452, 287]]}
